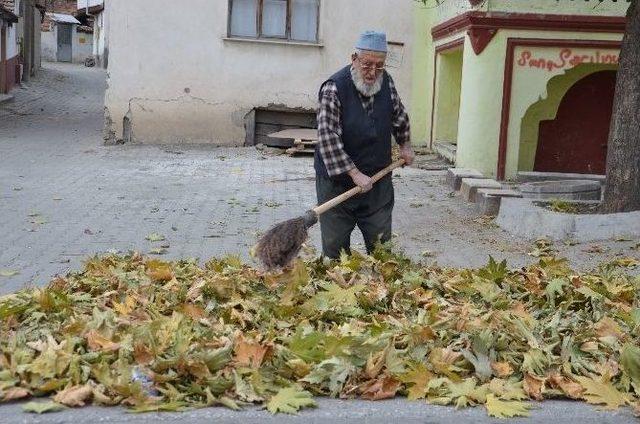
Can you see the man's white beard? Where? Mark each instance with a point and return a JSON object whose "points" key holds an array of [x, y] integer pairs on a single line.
{"points": [[365, 89]]}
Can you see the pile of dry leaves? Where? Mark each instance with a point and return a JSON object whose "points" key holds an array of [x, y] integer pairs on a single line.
{"points": [[157, 335]]}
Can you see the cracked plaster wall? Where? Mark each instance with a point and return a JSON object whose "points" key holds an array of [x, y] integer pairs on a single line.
{"points": [[180, 81]]}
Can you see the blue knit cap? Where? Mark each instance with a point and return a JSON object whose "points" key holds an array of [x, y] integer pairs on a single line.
{"points": [[373, 41]]}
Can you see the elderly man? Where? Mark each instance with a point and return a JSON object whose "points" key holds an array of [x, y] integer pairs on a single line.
{"points": [[360, 110]]}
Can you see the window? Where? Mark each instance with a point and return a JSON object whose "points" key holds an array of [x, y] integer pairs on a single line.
{"points": [[295, 20]]}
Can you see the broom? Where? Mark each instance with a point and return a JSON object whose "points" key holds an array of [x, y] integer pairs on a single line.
{"points": [[282, 243]]}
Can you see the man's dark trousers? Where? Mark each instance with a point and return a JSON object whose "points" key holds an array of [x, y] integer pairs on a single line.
{"points": [[370, 211]]}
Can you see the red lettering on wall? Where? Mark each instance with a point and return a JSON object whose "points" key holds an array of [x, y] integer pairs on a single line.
{"points": [[564, 58]]}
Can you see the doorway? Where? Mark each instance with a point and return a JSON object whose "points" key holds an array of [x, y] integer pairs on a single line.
{"points": [[576, 140], [65, 36]]}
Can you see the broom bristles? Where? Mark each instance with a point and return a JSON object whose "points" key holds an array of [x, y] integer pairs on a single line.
{"points": [[282, 243]]}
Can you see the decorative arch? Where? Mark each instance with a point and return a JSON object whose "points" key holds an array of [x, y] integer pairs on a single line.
{"points": [[546, 109]]}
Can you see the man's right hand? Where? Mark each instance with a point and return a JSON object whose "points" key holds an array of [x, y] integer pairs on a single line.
{"points": [[361, 180]]}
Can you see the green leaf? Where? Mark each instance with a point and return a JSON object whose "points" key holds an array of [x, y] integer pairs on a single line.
{"points": [[8, 273], [332, 374], [630, 361], [42, 407], [555, 287], [290, 400], [153, 237], [506, 409]]}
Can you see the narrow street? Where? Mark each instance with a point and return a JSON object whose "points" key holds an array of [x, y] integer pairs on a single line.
{"points": [[65, 196]]}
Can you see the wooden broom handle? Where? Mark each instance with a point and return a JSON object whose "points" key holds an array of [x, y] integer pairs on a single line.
{"points": [[356, 190]]}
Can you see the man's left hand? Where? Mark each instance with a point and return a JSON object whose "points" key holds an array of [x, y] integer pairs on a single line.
{"points": [[406, 153]]}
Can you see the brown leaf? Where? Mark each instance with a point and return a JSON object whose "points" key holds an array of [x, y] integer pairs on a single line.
{"points": [[250, 353], [74, 396], [381, 388], [533, 386], [15, 393], [193, 311], [142, 354], [98, 342], [375, 364], [569, 387], [159, 271], [502, 369], [607, 327]]}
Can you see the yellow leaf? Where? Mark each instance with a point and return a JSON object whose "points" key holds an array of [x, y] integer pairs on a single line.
{"points": [[506, 409], [602, 393], [419, 379], [126, 307]]}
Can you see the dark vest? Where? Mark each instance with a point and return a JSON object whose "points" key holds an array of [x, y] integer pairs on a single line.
{"points": [[366, 138]]}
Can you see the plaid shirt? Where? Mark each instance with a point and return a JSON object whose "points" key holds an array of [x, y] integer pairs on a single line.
{"points": [[336, 160]]}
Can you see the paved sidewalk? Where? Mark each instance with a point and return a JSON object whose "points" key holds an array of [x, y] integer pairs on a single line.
{"points": [[65, 196]]}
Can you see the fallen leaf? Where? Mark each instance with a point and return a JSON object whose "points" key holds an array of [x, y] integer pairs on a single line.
{"points": [[501, 369], [250, 353], [290, 400], [42, 407], [153, 237], [99, 342], [569, 387], [506, 409], [533, 386], [14, 393], [74, 396], [8, 273], [382, 388], [601, 393]]}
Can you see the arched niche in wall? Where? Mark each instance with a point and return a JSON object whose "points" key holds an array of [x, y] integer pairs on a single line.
{"points": [[546, 109]]}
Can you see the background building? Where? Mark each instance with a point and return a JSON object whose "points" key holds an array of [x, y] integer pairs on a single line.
{"points": [[229, 72], [504, 86]]}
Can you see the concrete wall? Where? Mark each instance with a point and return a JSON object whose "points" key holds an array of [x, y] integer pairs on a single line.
{"points": [[82, 46], [49, 45], [182, 81]]}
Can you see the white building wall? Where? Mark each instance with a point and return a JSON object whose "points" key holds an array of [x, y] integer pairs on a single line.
{"points": [[82, 47], [181, 80], [49, 44]]}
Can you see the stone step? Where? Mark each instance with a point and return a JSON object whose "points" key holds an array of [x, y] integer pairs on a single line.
{"points": [[565, 190], [446, 150], [469, 187], [533, 176], [488, 200], [455, 176]]}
